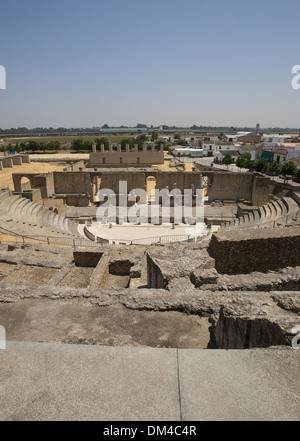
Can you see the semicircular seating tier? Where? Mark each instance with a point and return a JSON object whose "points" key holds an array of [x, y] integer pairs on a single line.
{"points": [[276, 212], [21, 217]]}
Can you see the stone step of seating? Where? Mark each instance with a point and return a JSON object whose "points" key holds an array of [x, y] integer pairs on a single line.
{"points": [[283, 208], [26, 211], [17, 211], [291, 204], [273, 211], [12, 202], [29, 218], [4, 194], [35, 212]]}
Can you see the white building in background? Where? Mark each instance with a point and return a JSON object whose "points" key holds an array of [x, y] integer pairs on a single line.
{"points": [[212, 148], [277, 138], [249, 148], [188, 152], [236, 136]]}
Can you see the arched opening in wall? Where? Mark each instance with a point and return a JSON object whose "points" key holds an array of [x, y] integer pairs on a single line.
{"points": [[205, 186], [150, 187], [96, 185], [25, 184]]}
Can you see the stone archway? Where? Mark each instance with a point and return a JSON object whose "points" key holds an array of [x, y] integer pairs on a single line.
{"points": [[22, 182], [150, 187], [25, 183], [205, 181]]}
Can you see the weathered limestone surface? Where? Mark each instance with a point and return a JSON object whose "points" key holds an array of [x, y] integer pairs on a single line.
{"points": [[244, 251], [168, 265], [22, 257], [287, 279], [253, 310], [192, 268], [241, 320]]}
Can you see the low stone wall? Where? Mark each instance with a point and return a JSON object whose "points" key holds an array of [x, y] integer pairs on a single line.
{"points": [[245, 251], [155, 278]]}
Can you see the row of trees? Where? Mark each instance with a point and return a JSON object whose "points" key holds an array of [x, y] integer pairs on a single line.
{"points": [[79, 144], [262, 165], [32, 146]]}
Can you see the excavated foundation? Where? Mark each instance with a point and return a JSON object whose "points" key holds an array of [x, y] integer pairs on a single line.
{"points": [[54, 294]]}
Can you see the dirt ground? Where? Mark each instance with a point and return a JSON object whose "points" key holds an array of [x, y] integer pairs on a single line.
{"points": [[166, 166], [78, 277], [71, 321], [29, 275], [34, 167]]}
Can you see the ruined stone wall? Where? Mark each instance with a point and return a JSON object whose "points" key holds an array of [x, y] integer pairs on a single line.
{"points": [[134, 180], [155, 277], [43, 181], [54, 204], [233, 186], [260, 191], [72, 183], [102, 159], [245, 251], [182, 181]]}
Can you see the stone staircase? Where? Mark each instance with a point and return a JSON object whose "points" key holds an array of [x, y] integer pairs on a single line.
{"points": [[19, 216], [268, 216]]}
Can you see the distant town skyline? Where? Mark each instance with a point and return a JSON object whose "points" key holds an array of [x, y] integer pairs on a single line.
{"points": [[211, 63]]}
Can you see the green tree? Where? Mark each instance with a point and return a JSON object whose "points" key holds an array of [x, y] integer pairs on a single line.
{"points": [[243, 160], [53, 145], [250, 165], [102, 140], [261, 165], [125, 141], [33, 146], [142, 137], [274, 167], [17, 148], [154, 136], [177, 136], [227, 160], [43, 146], [289, 168], [77, 144], [160, 143], [87, 145]]}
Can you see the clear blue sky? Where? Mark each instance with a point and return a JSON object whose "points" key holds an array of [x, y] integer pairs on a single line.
{"points": [[85, 63]]}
